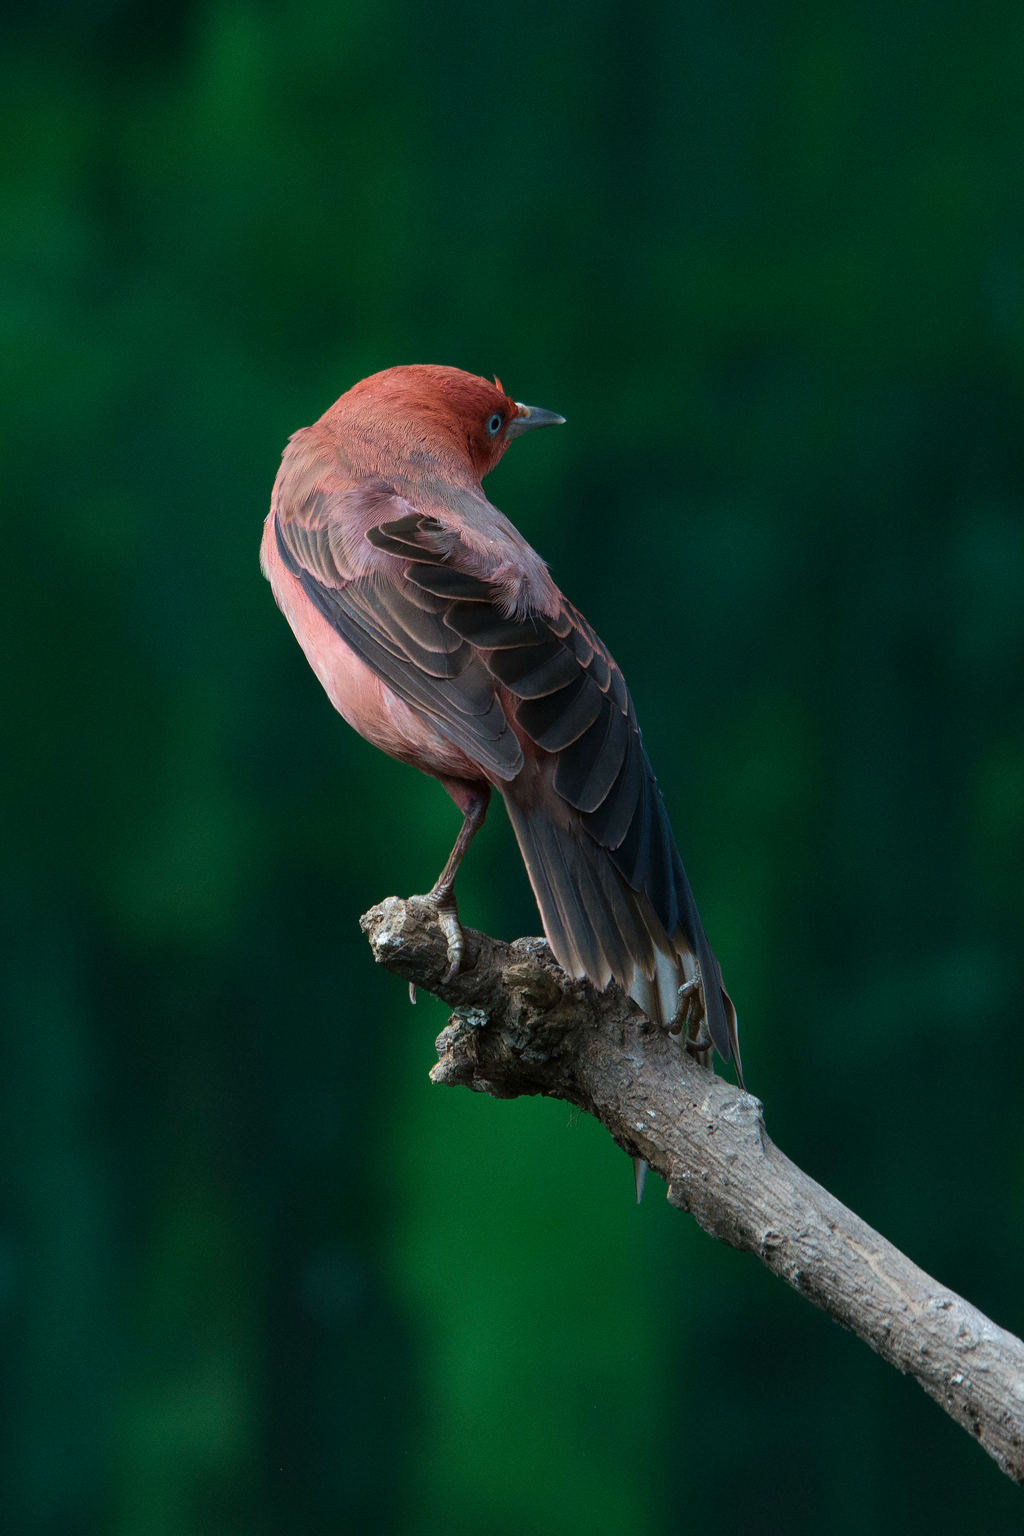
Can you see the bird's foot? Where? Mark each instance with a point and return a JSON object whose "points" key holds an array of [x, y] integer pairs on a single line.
{"points": [[689, 1007], [442, 899], [690, 1016]]}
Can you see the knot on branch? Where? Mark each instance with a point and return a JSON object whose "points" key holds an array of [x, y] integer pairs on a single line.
{"points": [[514, 1008]]}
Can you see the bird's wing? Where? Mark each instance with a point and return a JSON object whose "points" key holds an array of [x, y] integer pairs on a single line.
{"points": [[605, 869], [569, 698], [399, 631]]}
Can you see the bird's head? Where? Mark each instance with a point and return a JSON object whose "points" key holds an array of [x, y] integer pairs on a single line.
{"points": [[448, 409]]}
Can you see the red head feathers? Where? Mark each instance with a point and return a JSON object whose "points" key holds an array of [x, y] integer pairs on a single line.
{"points": [[449, 411]]}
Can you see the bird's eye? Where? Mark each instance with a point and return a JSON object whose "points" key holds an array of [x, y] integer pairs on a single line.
{"points": [[494, 424]]}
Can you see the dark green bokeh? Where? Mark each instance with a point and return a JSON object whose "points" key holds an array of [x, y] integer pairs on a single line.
{"points": [[256, 1276]]}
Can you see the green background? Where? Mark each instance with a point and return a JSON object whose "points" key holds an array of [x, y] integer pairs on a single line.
{"points": [[256, 1275]]}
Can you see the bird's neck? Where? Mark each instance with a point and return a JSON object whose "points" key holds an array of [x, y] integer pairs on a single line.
{"points": [[378, 446]]}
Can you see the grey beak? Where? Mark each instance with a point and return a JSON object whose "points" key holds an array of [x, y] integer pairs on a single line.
{"points": [[531, 416]]}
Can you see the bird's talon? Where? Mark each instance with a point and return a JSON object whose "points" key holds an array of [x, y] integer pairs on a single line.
{"points": [[449, 925], [448, 921], [690, 1007]]}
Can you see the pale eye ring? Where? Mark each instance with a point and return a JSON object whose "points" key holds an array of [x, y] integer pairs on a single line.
{"points": [[494, 424]]}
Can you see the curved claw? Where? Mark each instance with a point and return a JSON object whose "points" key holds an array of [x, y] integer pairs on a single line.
{"points": [[448, 922], [447, 913]]}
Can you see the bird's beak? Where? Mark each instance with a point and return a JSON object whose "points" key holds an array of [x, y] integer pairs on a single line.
{"points": [[531, 416]]}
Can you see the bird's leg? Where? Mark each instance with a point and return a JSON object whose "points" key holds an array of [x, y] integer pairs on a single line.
{"points": [[472, 800]]}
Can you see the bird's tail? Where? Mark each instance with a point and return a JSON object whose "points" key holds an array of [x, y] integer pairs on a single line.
{"points": [[599, 927]]}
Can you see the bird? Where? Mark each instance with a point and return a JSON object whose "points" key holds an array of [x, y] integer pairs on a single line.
{"points": [[439, 635]]}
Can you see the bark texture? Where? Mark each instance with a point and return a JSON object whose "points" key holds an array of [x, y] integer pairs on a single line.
{"points": [[521, 1026]]}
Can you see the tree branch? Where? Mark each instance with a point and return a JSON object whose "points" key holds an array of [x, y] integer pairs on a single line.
{"points": [[521, 1026]]}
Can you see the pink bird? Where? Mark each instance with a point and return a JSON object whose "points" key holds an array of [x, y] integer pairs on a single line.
{"points": [[439, 635]]}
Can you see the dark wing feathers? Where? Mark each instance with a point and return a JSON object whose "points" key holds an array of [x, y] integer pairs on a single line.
{"points": [[587, 769], [448, 583], [414, 537], [558, 719], [486, 626], [606, 871], [531, 671], [609, 822]]}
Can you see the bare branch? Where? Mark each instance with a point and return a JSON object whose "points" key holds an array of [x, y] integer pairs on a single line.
{"points": [[521, 1026]]}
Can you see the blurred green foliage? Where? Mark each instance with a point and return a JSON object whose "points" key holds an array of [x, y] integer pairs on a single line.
{"points": [[256, 1276]]}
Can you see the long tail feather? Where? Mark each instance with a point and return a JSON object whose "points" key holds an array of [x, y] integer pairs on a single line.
{"points": [[600, 927]]}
